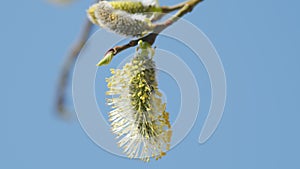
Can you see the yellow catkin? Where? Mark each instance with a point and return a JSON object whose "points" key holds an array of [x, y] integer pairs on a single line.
{"points": [[139, 118]]}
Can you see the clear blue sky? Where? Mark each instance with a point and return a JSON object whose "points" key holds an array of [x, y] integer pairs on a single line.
{"points": [[258, 42]]}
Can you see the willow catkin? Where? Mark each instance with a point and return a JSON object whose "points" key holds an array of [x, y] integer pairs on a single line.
{"points": [[121, 17], [139, 118]]}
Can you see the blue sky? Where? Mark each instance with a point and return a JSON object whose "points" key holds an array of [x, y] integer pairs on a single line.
{"points": [[258, 43]]}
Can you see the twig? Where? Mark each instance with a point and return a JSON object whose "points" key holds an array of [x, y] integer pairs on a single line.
{"points": [[66, 70], [168, 9], [150, 38]]}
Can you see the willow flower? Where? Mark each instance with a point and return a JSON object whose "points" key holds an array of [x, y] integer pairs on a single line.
{"points": [[127, 18], [139, 117]]}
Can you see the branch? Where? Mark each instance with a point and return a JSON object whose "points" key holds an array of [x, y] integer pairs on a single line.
{"points": [[66, 70], [168, 9], [185, 8]]}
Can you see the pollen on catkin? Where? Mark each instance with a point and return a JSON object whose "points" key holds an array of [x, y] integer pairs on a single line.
{"points": [[114, 17], [139, 117], [134, 6]]}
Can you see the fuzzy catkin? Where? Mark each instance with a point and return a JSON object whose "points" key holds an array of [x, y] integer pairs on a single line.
{"points": [[119, 21]]}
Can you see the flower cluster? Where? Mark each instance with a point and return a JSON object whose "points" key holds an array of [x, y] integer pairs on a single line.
{"points": [[123, 17], [139, 118]]}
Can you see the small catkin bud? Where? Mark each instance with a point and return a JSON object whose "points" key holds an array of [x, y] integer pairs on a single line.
{"points": [[106, 59], [139, 118], [119, 21]]}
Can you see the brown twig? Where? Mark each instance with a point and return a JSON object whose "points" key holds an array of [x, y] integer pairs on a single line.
{"points": [[67, 66], [150, 38], [168, 9]]}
